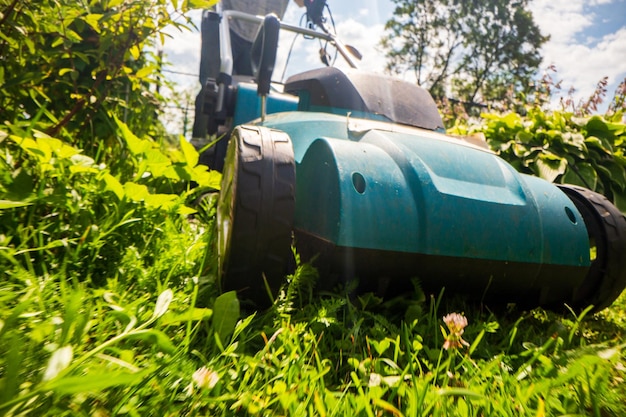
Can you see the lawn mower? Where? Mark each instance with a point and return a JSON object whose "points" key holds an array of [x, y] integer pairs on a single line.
{"points": [[355, 171]]}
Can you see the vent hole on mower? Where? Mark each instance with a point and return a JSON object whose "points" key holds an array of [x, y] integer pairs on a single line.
{"points": [[359, 182], [570, 215]]}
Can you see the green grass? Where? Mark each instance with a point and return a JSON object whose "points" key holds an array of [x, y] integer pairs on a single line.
{"points": [[69, 348], [109, 306]]}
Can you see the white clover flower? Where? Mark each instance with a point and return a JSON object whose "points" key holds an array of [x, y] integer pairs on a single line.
{"points": [[205, 378]]}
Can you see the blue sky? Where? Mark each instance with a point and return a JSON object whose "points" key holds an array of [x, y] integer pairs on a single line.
{"points": [[588, 40]]}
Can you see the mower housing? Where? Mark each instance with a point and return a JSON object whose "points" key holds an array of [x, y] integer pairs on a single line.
{"points": [[355, 170]]}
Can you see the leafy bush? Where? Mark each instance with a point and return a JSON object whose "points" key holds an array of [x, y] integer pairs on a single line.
{"points": [[71, 66], [561, 147]]}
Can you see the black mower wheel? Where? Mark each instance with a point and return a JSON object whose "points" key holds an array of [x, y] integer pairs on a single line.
{"points": [[255, 212], [606, 227]]}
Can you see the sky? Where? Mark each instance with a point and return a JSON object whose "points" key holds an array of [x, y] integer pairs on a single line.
{"points": [[587, 42]]}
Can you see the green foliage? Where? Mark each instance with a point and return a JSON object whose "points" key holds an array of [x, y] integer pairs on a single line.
{"points": [[560, 147], [71, 65], [109, 303], [226, 315], [88, 220], [480, 51]]}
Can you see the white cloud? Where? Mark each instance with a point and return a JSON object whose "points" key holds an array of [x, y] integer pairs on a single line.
{"points": [[561, 19], [579, 64], [365, 39], [582, 66]]}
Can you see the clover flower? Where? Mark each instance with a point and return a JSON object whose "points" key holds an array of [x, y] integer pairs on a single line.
{"points": [[205, 378], [456, 324]]}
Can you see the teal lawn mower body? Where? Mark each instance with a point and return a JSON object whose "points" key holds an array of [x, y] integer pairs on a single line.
{"points": [[355, 171]]}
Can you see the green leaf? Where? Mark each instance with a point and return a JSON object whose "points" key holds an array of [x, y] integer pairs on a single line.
{"points": [[82, 161], [384, 405], [157, 162], [201, 4], [113, 185], [12, 362], [593, 141], [617, 128], [186, 211], [30, 45], [190, 153], [162, 201], [136, 192], [93, 20], [7, 204], [206, 178], [381, 345], [154, 337], [242, 325], [64, 71], [619, 199], [135, 145], [40, 150], [225, 314], [575, 139], [145, 71], [582, 174], [95, 382], [519, 150], [59, 148], [554, 136], [597, 126], [524, 136], [459, 392], [617, 174], [163, 303], [193, 314], [512, 120], [135, 52], [550, 166]]}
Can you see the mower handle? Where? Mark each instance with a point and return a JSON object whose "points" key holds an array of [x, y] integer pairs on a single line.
{"points": [[326, 35]]}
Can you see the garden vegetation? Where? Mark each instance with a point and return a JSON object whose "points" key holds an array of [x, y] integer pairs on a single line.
{"points": [[109, 299]]}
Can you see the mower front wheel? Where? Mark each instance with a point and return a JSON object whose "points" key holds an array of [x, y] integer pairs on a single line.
{"points": [[255, 212]]}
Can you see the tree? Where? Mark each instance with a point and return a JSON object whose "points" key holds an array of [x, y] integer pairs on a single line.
{"points": [[423, 37], [476, 51]]}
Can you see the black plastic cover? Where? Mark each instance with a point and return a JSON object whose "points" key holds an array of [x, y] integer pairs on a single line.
{"points": [[397, 100]]}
